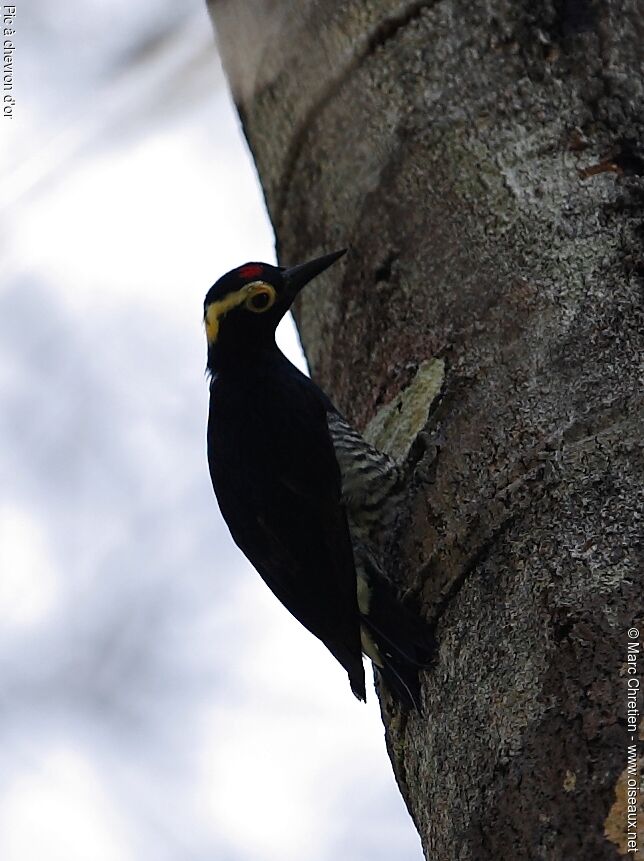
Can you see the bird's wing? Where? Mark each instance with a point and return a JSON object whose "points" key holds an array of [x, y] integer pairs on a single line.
{"points": [[282, 502]]}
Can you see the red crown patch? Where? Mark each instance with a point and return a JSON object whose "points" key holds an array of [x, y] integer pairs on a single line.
{"points": [[250, 270]]}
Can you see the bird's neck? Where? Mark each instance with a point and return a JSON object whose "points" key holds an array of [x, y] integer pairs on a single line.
{"points": [[260, 355]]}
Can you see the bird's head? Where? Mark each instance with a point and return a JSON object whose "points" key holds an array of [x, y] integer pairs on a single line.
{"points": [[242, 309]]}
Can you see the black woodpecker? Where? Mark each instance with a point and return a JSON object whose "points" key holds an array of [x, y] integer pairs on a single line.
{"points": [[304, 496]]}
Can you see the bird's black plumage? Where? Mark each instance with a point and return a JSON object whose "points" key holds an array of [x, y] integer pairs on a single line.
{"points": [[276, 474]]}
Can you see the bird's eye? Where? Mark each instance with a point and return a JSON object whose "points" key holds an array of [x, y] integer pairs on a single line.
{"points": [[260, 298]]}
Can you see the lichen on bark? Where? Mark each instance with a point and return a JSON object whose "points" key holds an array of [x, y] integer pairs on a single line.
{"points": [[397, 424]]}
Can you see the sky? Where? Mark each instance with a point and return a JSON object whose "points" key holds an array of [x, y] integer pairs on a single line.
{"points": [[156, 701]]}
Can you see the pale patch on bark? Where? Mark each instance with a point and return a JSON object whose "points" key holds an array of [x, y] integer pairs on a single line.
{"points": [[616, 824], [396, 425]]}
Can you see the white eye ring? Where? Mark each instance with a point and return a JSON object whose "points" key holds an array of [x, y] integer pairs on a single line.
{"points": [[261, 297]]}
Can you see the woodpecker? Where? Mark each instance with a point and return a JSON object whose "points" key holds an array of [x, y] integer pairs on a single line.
{"points": [[305, 497]]}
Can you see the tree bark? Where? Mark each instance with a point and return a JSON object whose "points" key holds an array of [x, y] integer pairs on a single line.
{"points": [[484, 161]]}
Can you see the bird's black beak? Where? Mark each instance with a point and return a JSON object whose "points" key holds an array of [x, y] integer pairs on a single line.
{"points": [[297, 276]]}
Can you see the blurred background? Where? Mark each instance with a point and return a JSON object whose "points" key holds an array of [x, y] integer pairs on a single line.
{"points": [[156, 701]]}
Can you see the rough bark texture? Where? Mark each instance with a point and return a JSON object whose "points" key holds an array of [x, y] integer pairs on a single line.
{"points": [[484, 161]]}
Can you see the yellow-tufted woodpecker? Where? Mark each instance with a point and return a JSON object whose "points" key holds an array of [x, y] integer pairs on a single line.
{"points": [[303, 494]]}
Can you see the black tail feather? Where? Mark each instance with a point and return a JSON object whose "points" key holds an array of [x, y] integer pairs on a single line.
{"points": [[396, 628], [404, 641], [403, 683], [399, 644]]}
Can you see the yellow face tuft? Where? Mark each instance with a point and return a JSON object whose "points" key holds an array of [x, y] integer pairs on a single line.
{"points": [[257, 297]]}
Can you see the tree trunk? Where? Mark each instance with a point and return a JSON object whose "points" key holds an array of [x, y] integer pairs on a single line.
{"points": [[484, 163]]}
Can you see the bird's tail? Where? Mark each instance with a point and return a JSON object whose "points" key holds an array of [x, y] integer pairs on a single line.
{"points": [[404, 643], [403, 683]]}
